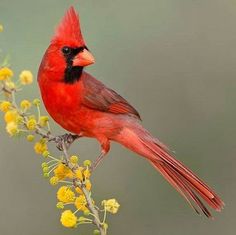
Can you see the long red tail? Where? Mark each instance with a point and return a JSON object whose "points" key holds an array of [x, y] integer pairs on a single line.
{"points": [[194, 190]]}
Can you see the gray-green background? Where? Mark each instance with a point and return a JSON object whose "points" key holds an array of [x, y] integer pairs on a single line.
{"points": [[172, 59]]}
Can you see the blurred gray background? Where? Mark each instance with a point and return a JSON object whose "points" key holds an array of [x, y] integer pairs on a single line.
{"points": [[174, 60]]}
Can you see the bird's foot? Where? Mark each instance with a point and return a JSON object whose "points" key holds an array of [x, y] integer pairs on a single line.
{"points": [[97, 161], [64, 141]]}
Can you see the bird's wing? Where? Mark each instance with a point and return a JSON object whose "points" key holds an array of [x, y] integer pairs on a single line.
{"points": [[99, 97]]}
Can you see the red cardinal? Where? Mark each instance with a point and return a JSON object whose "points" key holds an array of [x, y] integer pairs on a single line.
{"points": [[85, 106]]}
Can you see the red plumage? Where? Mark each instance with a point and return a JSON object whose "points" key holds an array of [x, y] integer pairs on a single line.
{"points": [[84, 106]]}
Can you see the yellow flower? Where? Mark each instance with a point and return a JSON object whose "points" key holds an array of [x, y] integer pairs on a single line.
{"points": [[68, 219], [5, 106], [79, 174], [87, 173], [31, 124], [111, 205], [5, 73], [43, 120], [82, 174], [12, 128], [65, 194], [26, 77], [80, 203], [25, 104], [40, 147], [11, 116], [54, 180], [1, 28], [88, 186], [62, 172]]}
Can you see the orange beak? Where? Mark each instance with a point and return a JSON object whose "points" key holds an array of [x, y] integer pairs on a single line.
{"points": [[84, 58]]}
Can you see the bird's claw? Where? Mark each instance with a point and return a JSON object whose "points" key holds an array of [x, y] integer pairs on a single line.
{"points": [[64, 141]]}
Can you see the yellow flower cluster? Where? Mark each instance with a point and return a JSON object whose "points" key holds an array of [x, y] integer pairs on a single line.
{"points": [[68, 219], [5, 73], [12, 128], [82, 173], [26, 77], [25, 104], [5, 106], [65, 194], [62, 172], [31, 124], [81, 203], [11, 118], [111, 205], [74, 177], [41, 146]]}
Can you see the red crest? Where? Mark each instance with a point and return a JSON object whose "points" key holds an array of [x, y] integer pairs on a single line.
{"points": [[69, 29]]}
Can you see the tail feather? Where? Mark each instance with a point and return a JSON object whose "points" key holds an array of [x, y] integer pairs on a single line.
{"points": [[193, 189]]}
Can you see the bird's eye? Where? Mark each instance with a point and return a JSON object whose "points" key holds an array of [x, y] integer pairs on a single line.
{"points": [[66, 50]]}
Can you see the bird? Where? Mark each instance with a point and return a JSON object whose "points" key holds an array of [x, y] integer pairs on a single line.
{"points": [[84, 106]]}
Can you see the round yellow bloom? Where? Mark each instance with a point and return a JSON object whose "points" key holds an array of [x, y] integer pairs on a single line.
{"points": [[5, 73], [62, 172], [54, 180], [1, 28], [25, 104], [11, 116], [40, 147], [68, 219], [65, 194], [12, 128], [5, 106], [43, 121], [26, 77], [80, 203], [30, 138], [31, 124], [111, 205]]}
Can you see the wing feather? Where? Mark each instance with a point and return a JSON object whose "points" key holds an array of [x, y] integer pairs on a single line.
{"points": [[98, 96]]}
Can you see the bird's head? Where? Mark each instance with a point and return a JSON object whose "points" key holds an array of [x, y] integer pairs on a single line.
{"points": [[68, 53]]}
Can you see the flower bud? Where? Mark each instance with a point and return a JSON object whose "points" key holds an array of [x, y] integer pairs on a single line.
{"points": [[45, 154], [60, 205], [36, 102], [44, 164], [46, 175], [87, 163], [54, 180], [30, 138], [86, 212], [105, 226], [45, 169], [74, 159]]}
